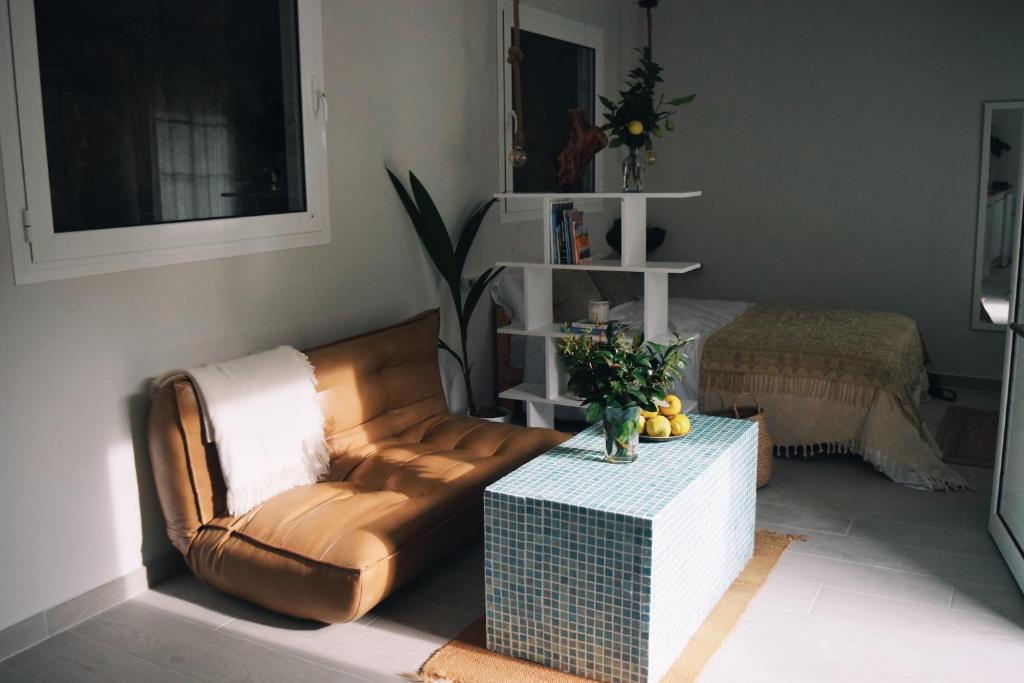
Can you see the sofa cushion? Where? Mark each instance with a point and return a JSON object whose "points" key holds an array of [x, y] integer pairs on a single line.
{"points": [[363, 534], [379, 384]]}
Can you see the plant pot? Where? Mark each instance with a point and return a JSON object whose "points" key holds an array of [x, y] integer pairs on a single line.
{"points": [[493, 414], [655, 237], [621, 438]]}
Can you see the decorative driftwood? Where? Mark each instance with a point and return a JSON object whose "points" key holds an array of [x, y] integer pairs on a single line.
{"points": [[585, 140]]}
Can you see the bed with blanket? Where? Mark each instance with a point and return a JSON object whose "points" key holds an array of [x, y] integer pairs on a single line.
{"points": [[829, 380]]}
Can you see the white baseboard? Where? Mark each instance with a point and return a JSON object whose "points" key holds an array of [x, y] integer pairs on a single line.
{"points": [[47, 623]]}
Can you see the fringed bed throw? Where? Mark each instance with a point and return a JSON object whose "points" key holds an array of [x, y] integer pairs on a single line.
{"points": [[839, 379]]}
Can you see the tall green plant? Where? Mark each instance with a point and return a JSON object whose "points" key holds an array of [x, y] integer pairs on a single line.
{"points": [[450, 261]]}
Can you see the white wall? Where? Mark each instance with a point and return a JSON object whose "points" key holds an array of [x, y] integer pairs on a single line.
{"points": [[837, 144], [411, 83]]}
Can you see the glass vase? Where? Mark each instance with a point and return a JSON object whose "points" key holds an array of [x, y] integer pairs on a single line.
{"points": [[621, 438], [633, 168]]}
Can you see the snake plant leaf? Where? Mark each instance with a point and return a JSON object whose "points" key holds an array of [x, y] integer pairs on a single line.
{"points": [[477, 291], [407, 202], [468, 234], [434, 234], [444, 346]]}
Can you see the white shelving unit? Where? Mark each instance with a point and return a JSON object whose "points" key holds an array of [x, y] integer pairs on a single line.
{"points": [[541, 399]]}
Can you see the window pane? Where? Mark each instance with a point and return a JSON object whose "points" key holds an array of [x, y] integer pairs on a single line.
{"points": [[557, 76], [170, 110]]}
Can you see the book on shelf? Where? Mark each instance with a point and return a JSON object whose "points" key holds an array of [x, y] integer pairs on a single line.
{"points": [[558, 236], [587, 327], [570, 239], [580, 239]]}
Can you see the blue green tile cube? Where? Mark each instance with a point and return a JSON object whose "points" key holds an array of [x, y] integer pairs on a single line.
{"points": [[607, 570]]}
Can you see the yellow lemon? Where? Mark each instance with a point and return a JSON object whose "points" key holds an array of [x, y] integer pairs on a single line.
{"points": [[641, 423], [647, 414], [674, 406], [680, 425], [635, 127], [659, 426]]}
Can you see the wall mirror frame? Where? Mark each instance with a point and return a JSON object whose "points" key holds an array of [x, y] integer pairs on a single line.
{"points": [[555, 29], [999, 212]]}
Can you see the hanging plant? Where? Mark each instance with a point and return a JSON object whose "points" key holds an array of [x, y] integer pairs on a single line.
{"points": [[637, 116]]}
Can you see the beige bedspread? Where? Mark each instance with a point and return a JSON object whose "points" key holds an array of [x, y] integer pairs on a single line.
{"points": [[833, 380]]}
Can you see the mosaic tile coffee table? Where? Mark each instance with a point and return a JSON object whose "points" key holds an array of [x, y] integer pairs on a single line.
{"points": [[607, 570]]}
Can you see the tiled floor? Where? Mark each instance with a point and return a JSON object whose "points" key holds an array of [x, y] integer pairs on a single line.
{"points": [[891, 585]]}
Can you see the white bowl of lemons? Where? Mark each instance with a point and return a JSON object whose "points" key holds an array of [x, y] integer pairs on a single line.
{"points": [[668, 423]]}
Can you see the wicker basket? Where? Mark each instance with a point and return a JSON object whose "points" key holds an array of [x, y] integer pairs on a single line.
{"points": [[754, 413]]}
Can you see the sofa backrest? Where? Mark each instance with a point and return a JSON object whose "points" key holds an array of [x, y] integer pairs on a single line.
{"points": [[379, 384], [370, 387]]}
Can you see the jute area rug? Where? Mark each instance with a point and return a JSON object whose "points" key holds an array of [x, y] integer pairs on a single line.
{"points": [[967, 436], [466, 659]]}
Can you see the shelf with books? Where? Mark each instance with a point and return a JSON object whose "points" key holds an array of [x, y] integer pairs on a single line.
{"points": [[558, 330], [670, 267], [561, 251], [598, 195]]}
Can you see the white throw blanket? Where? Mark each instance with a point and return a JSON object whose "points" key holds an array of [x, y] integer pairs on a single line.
{"points": [[262, 413]]}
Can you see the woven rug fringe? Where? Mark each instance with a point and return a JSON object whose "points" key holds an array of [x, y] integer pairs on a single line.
{"points": [[896, 471]]}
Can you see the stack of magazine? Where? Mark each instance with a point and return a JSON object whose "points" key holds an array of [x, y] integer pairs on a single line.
{"points": [[570, 240], [597, 330]]}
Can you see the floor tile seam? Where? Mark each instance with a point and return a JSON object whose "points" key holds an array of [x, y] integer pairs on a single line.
{"points": [[957, 527], [957, 553], [182, 617], [849, 527], [807, 508], [894, 569], [272, 647], [913, 603], [969, 555], [5, 666], [817, 595], [131, 654]]}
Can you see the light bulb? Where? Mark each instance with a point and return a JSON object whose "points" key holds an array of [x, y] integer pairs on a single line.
{"points": [[517, 156], [650, 157]]}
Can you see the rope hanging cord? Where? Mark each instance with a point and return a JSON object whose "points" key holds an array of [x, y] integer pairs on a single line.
{"points": [[515, 58], [649, 5]]}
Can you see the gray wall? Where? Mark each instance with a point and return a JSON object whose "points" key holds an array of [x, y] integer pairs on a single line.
{"points": [[412, 83], [837, 144]]}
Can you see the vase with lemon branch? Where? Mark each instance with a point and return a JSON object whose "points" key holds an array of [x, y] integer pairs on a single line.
{"points": [[618, 378], [637, 117]]}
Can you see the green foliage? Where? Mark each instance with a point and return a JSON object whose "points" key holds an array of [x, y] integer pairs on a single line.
{"points": [[449, 260], [637, 103], [618, 377]]}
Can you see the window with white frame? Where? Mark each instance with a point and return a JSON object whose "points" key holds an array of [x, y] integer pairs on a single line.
{"points": [[147, 132], [562, 70]]}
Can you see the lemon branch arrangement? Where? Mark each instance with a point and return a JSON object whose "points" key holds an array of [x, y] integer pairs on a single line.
{"points": [[617, 378], [637, 116]]}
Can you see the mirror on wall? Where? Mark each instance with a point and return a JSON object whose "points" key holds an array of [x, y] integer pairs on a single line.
{"points": [[999, 212]]}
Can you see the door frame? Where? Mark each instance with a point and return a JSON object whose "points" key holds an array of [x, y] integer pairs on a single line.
{"points": [[1009, 546]]}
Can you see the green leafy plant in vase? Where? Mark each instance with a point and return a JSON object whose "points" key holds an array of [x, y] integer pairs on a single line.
{"points": [[617, 377], [637, 116]]}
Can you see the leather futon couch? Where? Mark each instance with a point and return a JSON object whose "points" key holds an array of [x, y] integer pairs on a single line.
{"points": [[404, 488]]}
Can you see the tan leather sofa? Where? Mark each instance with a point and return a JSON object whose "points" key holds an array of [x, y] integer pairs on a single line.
{"points": [[404, 488]]}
